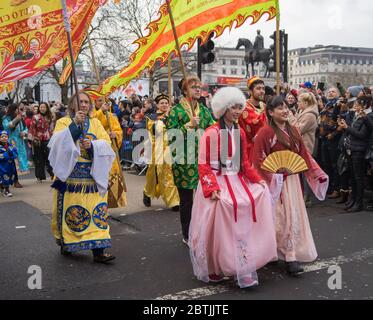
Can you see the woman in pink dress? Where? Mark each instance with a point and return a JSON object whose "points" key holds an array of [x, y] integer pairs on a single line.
{"points": [[293, 233], [232, 230]]}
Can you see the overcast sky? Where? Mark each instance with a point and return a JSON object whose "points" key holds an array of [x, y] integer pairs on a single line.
{"points": [[311, 22]]}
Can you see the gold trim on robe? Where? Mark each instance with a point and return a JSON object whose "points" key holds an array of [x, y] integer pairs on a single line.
{"points": [[159, 176], [116, 194]]}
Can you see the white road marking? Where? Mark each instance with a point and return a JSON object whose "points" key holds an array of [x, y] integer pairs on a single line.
{"points": [[195, 293], [324, 264], [21, 227], [316, 266]]}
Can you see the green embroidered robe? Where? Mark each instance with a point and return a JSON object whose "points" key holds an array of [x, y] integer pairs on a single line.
{"points": [[186, 175]]}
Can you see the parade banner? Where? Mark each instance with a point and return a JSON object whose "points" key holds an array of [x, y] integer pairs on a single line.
{"points": [[33, 37], [65, 74], [193, 19], [7, 87]]}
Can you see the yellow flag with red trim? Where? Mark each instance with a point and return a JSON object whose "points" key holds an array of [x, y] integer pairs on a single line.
{"points": [[7, 87], [65, 72], [33, 36], [193, 19]]}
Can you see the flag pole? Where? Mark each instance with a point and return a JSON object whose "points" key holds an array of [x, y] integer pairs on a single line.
{"points": [[176, 39], [179, 53], [113, 140], [278, 55], [69, 41], [93, 59], [170, 79]]}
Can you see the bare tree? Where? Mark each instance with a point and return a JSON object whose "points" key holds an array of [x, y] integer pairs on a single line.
{"points": [[116, 27], [161, 72], [112, 32]]}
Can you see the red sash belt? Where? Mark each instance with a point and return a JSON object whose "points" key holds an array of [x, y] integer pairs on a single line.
{"points": [[235, 206], [252, 201]]}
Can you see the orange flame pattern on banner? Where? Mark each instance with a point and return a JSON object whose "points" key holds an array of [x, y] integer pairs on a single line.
{"points": [[193, 19], [33, 37], [7, 87]]}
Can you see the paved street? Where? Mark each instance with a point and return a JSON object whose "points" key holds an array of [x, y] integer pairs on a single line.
{"points": [[152, 262]]}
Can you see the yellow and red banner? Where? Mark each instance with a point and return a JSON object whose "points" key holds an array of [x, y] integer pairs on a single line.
{"points": [[7, 87], [33, 36], [193, 19]]}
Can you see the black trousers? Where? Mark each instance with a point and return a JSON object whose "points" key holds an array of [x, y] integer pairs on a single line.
{"points": [[41, 161], [15, 173], [330, 154], [186, 204], [358, 173], [345, 177]]}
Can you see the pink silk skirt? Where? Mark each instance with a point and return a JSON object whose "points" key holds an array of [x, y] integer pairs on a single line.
{"points": [[221, 245]]}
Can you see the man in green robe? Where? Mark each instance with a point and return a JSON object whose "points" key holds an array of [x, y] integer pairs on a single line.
{"points": [[188, 116]]}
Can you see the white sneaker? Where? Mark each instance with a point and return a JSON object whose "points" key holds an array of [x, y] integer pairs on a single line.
{"points": [[7, 194]]}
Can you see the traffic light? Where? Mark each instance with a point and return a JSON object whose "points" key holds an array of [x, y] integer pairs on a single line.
{"points": [[274, 50], [207, 56]]}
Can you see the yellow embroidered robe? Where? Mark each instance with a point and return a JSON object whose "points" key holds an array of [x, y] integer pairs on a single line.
{"points": [[159, 176], [116, 194], [80, 214]]}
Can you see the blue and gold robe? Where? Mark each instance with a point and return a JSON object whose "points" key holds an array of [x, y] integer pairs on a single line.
{"points": [[80, 212], [8, 153]]}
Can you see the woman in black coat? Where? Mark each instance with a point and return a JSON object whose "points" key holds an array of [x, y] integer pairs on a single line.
{"points": [[356, 143], [369, 155]]}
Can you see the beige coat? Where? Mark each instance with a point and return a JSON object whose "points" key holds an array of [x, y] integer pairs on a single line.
{"points": [[306, 121]]}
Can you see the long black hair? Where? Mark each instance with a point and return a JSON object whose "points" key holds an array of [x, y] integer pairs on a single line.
{"points": [[295, 139], [365, 101], [48, 113], [11, 113]]}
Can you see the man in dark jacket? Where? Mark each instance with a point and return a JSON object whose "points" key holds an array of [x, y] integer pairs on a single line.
{"points": [[329, 138]]}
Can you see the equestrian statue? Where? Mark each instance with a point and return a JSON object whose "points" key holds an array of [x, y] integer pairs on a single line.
{"points": [[256, 53]]}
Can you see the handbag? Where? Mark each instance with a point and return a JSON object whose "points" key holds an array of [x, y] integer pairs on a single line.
{"points": [[369, 154], [342, 163], [369, 157]]}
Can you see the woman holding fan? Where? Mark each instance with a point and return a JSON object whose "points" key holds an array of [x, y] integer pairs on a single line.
{"points": [[287, 156]]}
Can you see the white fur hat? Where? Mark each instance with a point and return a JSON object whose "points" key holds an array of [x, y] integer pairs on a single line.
{"points": [[225, 98]]}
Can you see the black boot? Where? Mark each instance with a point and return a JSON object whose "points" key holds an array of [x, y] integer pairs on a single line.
{"points": [[147, 201], [356, 208], [349, 205], [64, 252], [175, 208], [294, 268], [344, 197]]}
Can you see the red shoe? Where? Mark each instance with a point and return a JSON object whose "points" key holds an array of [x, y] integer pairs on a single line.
{"points": [[215, 278]]}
